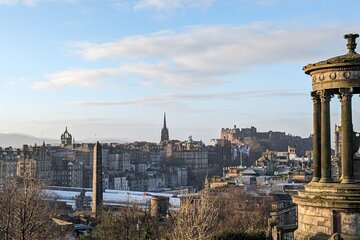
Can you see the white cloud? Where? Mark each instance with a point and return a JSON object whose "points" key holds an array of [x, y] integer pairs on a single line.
{"points": [[88, 78], [257, 42], [14, 2], [166, 5], [32, 2], [171, 97], [205, 55]]}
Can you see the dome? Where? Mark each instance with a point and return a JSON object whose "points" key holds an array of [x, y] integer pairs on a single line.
{"points": [[337, 72], [351, 58]]}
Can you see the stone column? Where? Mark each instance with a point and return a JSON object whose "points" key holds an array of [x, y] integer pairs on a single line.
{"points": [[347, 169], [316, 137], [97, 191], [325, 97]]}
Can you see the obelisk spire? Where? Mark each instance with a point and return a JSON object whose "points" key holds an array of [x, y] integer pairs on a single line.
{"points": [[97, 193]]}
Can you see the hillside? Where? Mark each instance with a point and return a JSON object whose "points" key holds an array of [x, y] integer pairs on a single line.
{"points": [[17, 140]]}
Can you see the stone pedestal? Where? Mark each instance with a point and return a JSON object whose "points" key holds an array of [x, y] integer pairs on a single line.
{"points": [[325, 209]]}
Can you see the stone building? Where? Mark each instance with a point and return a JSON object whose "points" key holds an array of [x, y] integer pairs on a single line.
{"points": [[35, 162], [8, 160], [336, 159], [26, 167], [283, 218], [43, 161], [193, 155], [236, 135], [219, 153], [121, 183], [56, 165]]}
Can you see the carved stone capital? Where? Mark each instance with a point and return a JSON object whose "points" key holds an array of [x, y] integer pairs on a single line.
{"points": [[345, 94], [324, 95], [315, 97]]}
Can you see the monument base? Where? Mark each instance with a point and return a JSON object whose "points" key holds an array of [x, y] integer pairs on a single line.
{"points": [[328, 211]]}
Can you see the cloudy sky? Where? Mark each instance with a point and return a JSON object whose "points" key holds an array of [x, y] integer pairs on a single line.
{"points": [[111, 68]]}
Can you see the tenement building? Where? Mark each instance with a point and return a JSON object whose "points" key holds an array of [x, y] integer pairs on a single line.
{"points": [[329, 208]]}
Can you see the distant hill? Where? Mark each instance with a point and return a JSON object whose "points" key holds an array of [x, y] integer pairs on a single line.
{"points": [[17, 140], [103, 140]]}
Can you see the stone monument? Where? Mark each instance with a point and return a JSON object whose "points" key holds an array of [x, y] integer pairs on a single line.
{"points": [[97, 190], [327, 208]]}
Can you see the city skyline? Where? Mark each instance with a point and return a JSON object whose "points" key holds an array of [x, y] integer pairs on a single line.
{"points": [[110, 69]]}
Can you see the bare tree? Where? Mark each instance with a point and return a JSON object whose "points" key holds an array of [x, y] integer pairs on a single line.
{"points": [[197, 217], [129, 222], [6, 207], [244, 212], [27, 215]]}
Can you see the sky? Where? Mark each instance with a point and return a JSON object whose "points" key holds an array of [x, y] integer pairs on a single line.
{"points": [[111, 68]]}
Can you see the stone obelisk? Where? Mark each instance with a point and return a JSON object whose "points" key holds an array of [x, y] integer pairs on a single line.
{"points": [[97, 193]]}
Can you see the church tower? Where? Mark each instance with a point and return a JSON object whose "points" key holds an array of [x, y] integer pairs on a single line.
{"points": [[164, 131], [66, 138]]}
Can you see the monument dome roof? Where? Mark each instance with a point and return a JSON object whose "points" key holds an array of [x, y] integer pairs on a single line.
{"points": [[352, 58]]}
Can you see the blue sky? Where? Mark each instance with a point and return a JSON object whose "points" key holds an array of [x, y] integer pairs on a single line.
{"points": [[111, 68]]}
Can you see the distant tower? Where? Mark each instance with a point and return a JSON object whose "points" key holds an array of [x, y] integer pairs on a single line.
{"points": [[164, 131], [97, 189], [66, 138]]}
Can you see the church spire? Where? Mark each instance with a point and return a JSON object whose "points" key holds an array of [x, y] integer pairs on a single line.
{"points": [[164, 126], [164, 131]]}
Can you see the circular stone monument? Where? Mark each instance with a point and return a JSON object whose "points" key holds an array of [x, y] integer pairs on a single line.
{"points": [[327, 208]]}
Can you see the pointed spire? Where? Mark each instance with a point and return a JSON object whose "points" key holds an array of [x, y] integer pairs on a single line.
{"points": [[164, 131], [164, 120], [43, 143], [66, 129]]}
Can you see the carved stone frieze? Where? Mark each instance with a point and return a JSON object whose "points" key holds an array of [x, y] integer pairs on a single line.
{"points": [[338, 75], [335, 79]]}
